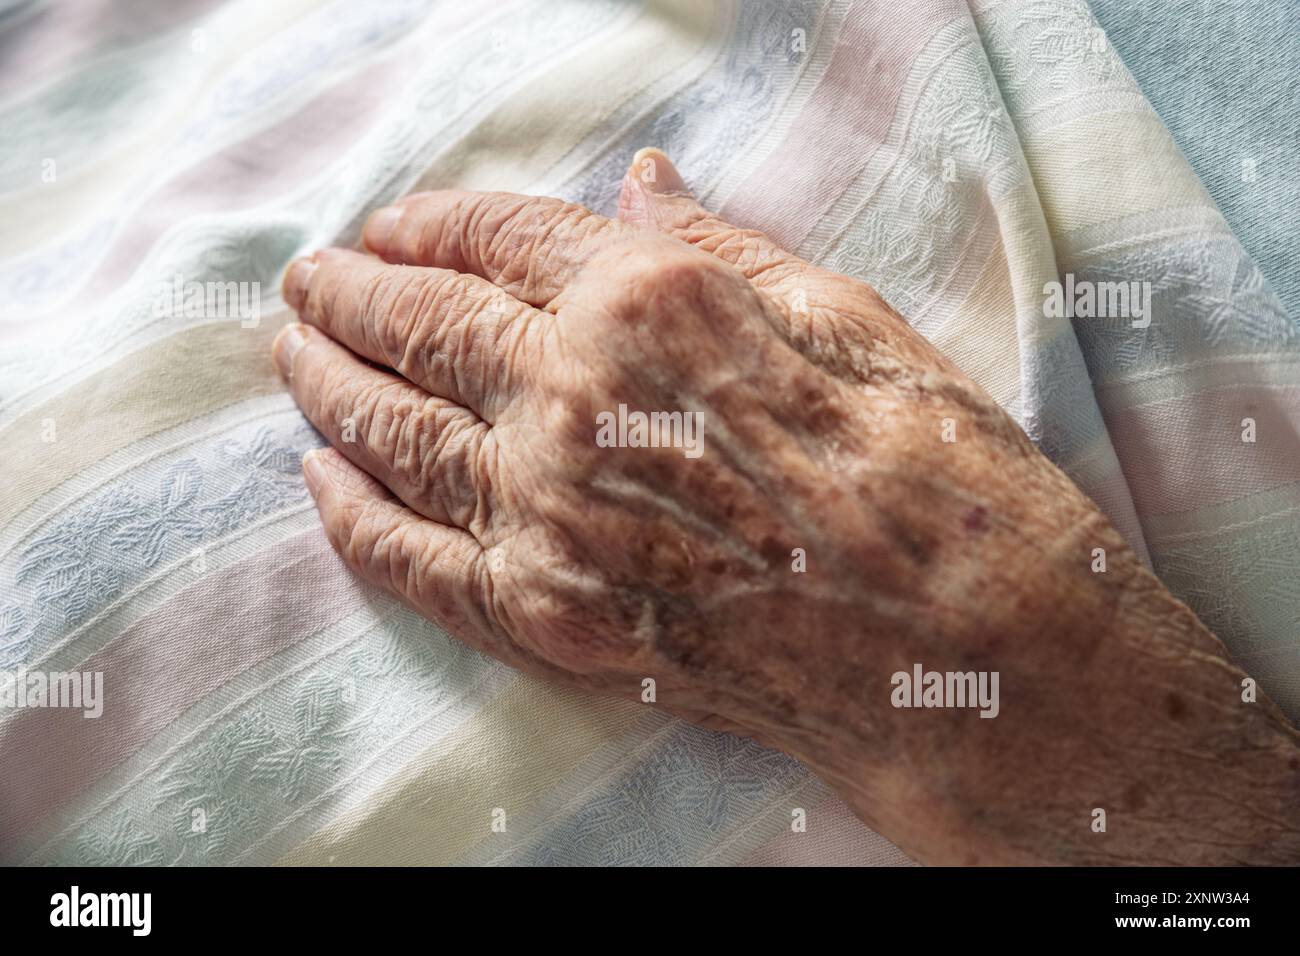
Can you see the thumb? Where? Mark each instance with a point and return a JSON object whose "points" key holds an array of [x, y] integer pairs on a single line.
{"points": [[816, 307], [655, 195]]}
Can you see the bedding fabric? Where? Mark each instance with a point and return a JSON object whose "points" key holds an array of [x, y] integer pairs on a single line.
{"points": [[1225, 78], [260, 705]]}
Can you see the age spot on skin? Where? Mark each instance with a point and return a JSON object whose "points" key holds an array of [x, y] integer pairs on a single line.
{"points": [[1175, 707], [823, 415], [1135, 797], [773, 551]]}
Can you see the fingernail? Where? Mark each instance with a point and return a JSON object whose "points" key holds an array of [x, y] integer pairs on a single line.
{"points": [[286, 345], [297, 279], [379, 228], [656, 172], [313, 471]]}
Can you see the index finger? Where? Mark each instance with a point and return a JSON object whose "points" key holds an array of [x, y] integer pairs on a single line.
{"points": [[530, 246]]}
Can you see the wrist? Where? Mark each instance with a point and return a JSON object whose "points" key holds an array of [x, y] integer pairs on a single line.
{"points": [[1121, 732]]}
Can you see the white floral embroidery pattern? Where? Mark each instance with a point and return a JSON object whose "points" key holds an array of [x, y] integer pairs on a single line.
{"points": [[87, 558]]}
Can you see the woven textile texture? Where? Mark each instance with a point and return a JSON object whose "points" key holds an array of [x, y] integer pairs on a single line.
{"points": [[261, 705]]}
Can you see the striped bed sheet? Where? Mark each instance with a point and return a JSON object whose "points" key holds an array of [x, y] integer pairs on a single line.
{"points": [[262, 706]]}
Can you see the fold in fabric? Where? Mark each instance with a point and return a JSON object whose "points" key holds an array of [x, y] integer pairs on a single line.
{"points": [[260, 706]]}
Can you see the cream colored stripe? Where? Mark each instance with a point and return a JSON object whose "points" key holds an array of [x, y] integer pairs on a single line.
{"points": [[181, 377], [983, 339], [527, 135], [983, 334], [1109, 166], [440, 804], [44, 209]]}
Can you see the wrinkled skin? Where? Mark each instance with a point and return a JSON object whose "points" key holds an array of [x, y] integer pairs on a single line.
{"points": [[459, 366]]}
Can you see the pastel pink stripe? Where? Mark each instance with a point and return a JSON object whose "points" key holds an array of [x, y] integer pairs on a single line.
{"points": [[60, 36], [835, 837], [163, 664], [844, 122], [1185, 453], [254, 170]]}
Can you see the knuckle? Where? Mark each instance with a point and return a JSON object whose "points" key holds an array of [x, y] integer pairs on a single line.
{"points": [[443, 305], [441, 442], [336, 400], [686, 272], [353, 536], [393, 432], [414, 314], [383, 309], [437, 452], [530, 235], [498, 226], [663, 280], [380, 545], [675, 266]]}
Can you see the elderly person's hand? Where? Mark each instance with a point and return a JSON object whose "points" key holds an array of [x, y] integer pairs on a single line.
{"points": [[662, 448]]}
